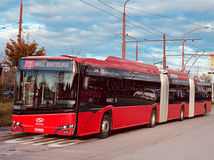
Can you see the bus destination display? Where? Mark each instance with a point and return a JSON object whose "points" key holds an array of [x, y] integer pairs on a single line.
{"points": [[46, 64]]}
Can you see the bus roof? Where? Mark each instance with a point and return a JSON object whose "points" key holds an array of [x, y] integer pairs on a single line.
{"points": [[196, 79], [47, 58], [123, 64], [178, 75], [110, 62]]}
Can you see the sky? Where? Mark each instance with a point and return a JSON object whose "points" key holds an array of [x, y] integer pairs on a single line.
{"points": [[90, 28]]}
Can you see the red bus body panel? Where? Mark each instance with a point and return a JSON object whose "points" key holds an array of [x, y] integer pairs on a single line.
{"points": [[89, 122], [122, 117], [209, 103], [49, 123], [175, 109], [199, 107], [131, 116]]}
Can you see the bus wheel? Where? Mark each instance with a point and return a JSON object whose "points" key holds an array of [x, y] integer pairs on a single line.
{"points": [[182, 114], [153, 119], [205, 111], [105, 127]]}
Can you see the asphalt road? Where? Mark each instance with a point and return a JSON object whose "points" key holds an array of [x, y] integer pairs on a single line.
{"points": [[191, 139]]}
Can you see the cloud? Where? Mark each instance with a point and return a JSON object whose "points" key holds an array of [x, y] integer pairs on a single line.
{"points": [[64, 25], [162, 6]]}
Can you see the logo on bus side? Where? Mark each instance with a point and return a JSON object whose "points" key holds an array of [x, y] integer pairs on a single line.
{"points": [[40, 120]]}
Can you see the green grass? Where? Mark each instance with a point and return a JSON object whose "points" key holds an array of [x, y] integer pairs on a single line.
{"points": [[6, 112]]}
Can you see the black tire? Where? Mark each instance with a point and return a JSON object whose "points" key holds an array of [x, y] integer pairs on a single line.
{"points": [[153, 119], [105, 127], [205, 111], [182, 114]]}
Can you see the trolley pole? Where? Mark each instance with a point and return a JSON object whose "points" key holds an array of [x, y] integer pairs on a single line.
{"points": [[183, 40], [136, 45]]}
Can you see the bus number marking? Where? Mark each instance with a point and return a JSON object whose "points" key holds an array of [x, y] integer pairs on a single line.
{"points": [[38, 129]]}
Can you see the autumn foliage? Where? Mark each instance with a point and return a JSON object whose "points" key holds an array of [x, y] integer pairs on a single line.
{"points": [[14, 52]]}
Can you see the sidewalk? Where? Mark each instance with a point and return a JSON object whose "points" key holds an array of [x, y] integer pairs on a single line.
{"points": [[5, 132], [5, 129]]}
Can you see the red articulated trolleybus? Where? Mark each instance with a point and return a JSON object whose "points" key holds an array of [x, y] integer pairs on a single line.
{"points": [[81, 96]]}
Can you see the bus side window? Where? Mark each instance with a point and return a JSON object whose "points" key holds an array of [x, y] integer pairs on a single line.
{"points": [[85, 83]]}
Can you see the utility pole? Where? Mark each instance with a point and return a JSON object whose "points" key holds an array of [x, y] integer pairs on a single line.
{"points": [[124, 31], [20, 25], [164, 51]]}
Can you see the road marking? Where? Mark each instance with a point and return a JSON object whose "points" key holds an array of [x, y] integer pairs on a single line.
{"points": [[47, 141], [12, 140], [34, 140], [62, 145]]}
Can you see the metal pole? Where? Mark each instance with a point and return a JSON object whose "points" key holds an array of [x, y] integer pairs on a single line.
{"points": [[124, 31], [183, 55], [20, 25], [164, 51], [136, 50]]}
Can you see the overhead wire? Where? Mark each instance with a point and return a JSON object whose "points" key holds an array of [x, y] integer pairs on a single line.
{"points": [[47, 43], [105, 3], [162, 16], [149, 26], [120, 18], [4, 27]]}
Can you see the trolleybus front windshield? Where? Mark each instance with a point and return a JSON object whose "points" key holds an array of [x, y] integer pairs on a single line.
{"points": [[50, 89]]}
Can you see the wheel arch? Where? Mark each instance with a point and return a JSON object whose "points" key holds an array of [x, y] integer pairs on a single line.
{"points": [[109, 113]]}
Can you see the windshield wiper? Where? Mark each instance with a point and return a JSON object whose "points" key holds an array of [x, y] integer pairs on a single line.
{"points": [[55, 106], [51, 106]]}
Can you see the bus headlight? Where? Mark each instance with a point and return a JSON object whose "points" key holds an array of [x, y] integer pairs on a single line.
{"points": [[65, 129], [66, 126], [16, 123]]}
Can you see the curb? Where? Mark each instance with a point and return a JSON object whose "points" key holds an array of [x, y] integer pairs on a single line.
{"points": [[5, 129]]}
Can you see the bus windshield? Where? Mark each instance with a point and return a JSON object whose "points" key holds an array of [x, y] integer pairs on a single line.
{"points": [[45, 89]]}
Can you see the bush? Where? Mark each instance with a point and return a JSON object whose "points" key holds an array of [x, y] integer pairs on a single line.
{"points": [[6, 112]]}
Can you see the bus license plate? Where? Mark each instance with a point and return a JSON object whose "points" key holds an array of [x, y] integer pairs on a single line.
{"points": [[40, 130]]}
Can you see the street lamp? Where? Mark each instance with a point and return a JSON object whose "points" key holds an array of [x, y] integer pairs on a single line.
{"points": [[136, 46], [124, 31], [204, 27]]}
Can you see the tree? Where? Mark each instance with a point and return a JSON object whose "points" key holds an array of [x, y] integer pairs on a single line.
{"points": [[2, 58], [14, 51], [206, 78], [1, 68]]}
